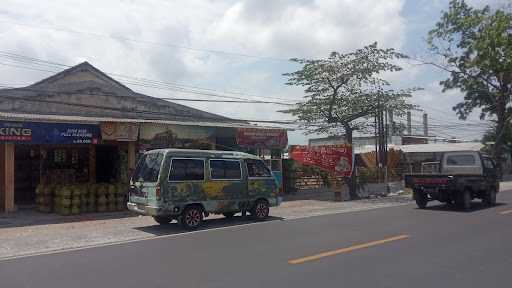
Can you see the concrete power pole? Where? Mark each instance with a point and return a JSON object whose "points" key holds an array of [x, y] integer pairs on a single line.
{"points": [[391, 130], [409, 123], [425, 124]]}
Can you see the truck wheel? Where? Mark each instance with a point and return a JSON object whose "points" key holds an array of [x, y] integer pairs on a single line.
{"points": [[192, 217], [421, 200], [229, 215], [490, 198], [465, 201], [260, 210], [162, 220]]}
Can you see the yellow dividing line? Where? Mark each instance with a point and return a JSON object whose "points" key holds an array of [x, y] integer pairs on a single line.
{"points": [[506, 212], [347, 249]]}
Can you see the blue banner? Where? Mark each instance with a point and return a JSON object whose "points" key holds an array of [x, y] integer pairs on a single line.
{"points": [[48, 133]]}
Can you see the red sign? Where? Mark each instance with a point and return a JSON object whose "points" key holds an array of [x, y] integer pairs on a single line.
{"points": [[261, 138], [336, 159]]}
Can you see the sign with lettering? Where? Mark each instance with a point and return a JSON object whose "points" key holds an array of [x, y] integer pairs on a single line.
{"points": [[48, 133], [119, 131], [336, 159], [262, 138]]}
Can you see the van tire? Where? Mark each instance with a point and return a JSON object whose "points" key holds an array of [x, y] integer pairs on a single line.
{"points": [[192, 217], [163, 220], [260, 210], [229, 215]]}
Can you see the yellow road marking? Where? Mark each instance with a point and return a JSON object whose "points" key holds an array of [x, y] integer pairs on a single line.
{"points": [[506, 212], [347, 249]]}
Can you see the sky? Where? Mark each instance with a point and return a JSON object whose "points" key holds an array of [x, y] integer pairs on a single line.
{"points": [[236, 48]]}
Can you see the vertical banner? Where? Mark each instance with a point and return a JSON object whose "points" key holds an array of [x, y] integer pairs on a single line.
{"points": [[336, 159]]}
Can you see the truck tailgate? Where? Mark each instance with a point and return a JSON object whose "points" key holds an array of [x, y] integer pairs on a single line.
{"points": [[426, 180]]}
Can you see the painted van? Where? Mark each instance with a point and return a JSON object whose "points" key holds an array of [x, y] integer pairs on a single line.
{"points": [[188, 185]]}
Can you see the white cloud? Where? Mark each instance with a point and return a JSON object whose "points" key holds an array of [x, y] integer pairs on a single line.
{"points": [[278, 29]]}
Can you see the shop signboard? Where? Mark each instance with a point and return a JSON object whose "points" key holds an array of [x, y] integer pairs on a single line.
{"points": [[48, 133], [262, 138], [119, 131], [155, 136], [336, 159]]}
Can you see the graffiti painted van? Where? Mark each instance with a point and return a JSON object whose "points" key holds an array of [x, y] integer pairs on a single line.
{"points": [[188, 185]]}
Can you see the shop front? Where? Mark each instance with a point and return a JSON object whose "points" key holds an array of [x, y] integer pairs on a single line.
{"points": [[44, 153], [44, 161], [38, 159]]}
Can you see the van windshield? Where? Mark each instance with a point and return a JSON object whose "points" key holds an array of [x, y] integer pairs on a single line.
{"points": [[148, 168]]}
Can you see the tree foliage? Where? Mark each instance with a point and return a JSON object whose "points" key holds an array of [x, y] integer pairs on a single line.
{"points": [[344, 89], [476, 45]]}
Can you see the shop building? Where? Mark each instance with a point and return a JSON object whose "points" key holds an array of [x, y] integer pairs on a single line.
{"points": [[81, 126]]}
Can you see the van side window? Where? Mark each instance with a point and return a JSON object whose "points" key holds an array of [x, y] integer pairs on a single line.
{"points": [[225, 169], [186, 170], [256, 168], [461, 160]]}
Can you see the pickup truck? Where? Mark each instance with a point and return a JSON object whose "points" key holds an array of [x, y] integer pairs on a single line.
{"points": [[458, 178]]}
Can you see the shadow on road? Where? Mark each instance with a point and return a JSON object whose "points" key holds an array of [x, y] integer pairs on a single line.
{"points": [[475, 206], [175, 228], [30, 217]]}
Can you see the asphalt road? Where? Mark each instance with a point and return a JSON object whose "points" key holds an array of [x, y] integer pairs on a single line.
{"points": [[388, 247]]}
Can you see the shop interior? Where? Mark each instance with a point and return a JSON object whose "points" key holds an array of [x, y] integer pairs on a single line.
{"points": [[63, 165]]}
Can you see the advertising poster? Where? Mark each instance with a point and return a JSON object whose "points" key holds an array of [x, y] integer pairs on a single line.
{"points": [[336, 159]]}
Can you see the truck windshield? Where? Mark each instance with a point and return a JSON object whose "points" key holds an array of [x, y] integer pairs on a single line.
{"points": [[148, 168]]}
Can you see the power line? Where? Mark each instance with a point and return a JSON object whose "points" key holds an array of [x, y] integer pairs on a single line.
{"points": [[137, 81], [163, 98], [147, 42]]}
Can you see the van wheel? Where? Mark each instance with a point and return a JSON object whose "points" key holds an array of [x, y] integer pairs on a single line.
{"points": [[229, 215], [192, 217], [421, 199], [162, 220], [490, 197], [260, 210]]}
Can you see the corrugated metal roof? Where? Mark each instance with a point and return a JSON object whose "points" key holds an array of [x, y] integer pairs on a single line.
{"points": [[427, 148], [441, 147]]}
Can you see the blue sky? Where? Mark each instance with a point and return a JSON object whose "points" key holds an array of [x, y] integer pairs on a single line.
{"points": [[179, 42]]}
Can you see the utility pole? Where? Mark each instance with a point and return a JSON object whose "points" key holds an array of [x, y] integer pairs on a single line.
{"points": [[386, 140], [409, 123], [382, 138], [425, 124]]}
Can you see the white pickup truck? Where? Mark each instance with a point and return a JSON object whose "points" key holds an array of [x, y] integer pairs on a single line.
{"points": [[457, 179]]}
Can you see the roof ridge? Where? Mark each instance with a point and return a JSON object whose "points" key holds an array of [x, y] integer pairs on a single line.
{"points": [[82, 65]]}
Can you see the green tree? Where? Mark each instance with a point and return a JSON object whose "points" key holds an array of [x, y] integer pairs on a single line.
{"points": [[476, 46], [490, 136], [343, 91]]}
